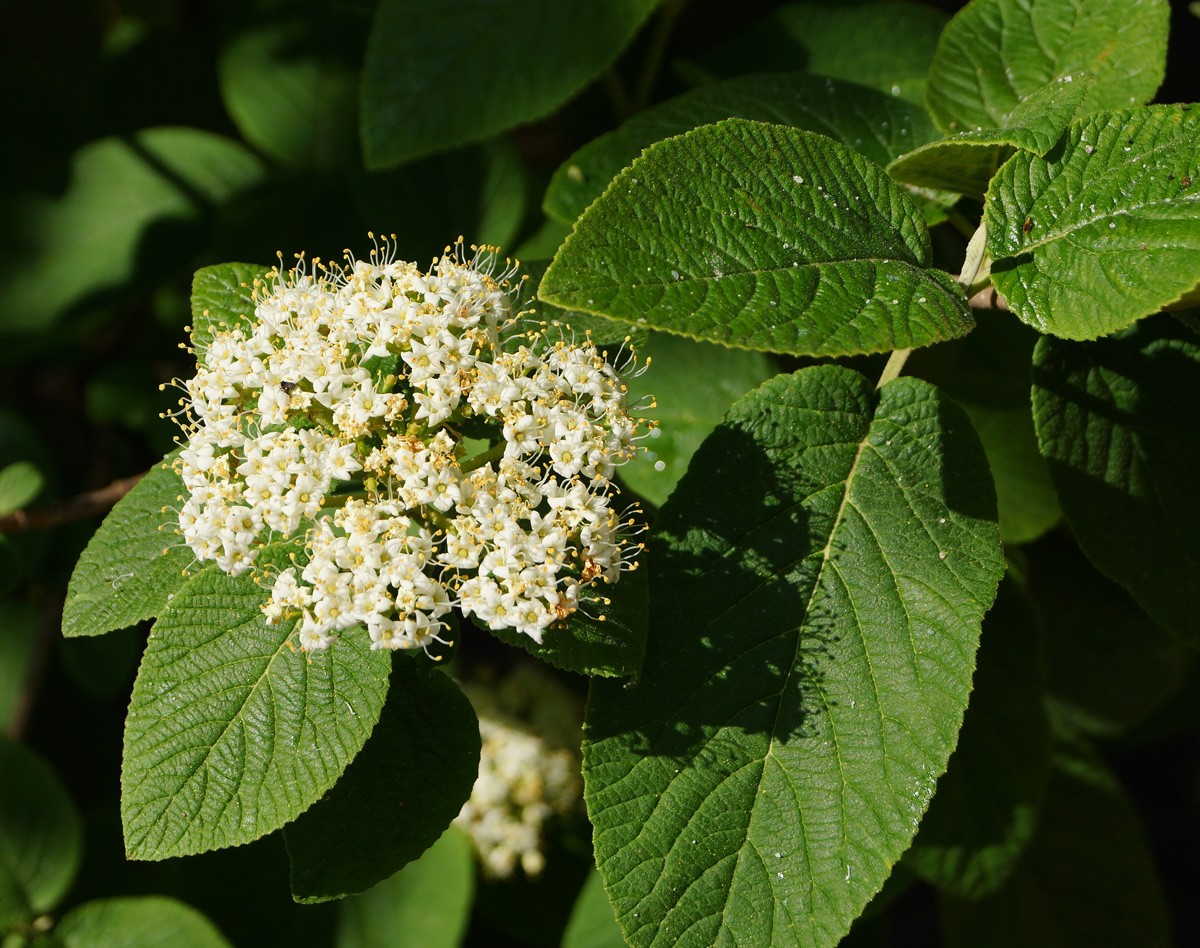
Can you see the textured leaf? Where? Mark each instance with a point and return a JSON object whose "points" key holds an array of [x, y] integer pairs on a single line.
{"points": [[289, 80], [41, 836], [418, 50], [134, 563], [885, 44], [996, 53], [819, 579], [1104, 230], [782, 240], [605, 639], [398, 796], [1118, 421], [1086, 881], [131, 200], [873, 123], [221, 299], [687, 411], [592, 923], [1110, 666], [966, 162], [985, 809], [150, 921], [425, 905], [231, 731], [988, 374]]}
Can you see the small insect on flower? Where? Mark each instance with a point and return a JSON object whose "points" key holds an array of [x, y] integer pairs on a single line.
{"points": [[293, 436]]}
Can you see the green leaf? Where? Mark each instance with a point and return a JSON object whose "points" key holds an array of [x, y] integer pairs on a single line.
{"points": [[41, 836], [20, 482], [150, 921], [417, 51], [289, 80], [19, 622], [222, 299], [985, 809], [502, 196], [693, 384], [592, 923], [819, 577], [601, 638], [782, 240], [425, 905], [1118, 421], [232, 732], [134, 563], [996, 53], [987, 373], [131, 200], [885, 44], [603, 331], [1103, 230], [1110, 666], [873, 123], [398, 795], [1086, 881], [966, 162]]}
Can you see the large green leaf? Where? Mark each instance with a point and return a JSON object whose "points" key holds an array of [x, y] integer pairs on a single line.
{"points": [[397, 797], [1086, 881], [232, 732], [149, 921], [986, 806], [222, 299], [41, 836], [1118, 421], [692, 384], [1106, 228], [418, 51], [131, 200], [427, 904], [996, 53], [885, 44], [134, 563], [780, 239], [819, 577], [873, 123], [1110, 666], [592, 923], [289, 80], [966, 162]]}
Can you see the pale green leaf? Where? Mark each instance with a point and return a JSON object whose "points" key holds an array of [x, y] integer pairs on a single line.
{"points": [[819, 577], [232, 731], [19, 622], [20, 482], [1106, 228], [223, 298], [123, 191], [965, 162], [781, 240], [592, 923], [996, 53], [41, 836], [885, 44], [1086, 881], [398, 795], [427, 904], [873, 123], [692, 384], [149, 921], [418, 51], [986, 806], [1118, 421], [134, 563]]}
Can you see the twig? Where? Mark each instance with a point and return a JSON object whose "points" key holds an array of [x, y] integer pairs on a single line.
{"points": [[76, 508]]}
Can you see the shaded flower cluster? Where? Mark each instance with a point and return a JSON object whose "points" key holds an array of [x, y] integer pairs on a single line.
{"points": [[428, 454]]}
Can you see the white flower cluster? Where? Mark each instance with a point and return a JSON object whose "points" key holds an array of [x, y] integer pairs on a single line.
{"points": [[339, 414], [529, 769]]}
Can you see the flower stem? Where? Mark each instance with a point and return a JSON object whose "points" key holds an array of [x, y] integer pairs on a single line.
{"points": [[494, 453], [895, 365], [654, 55]]}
